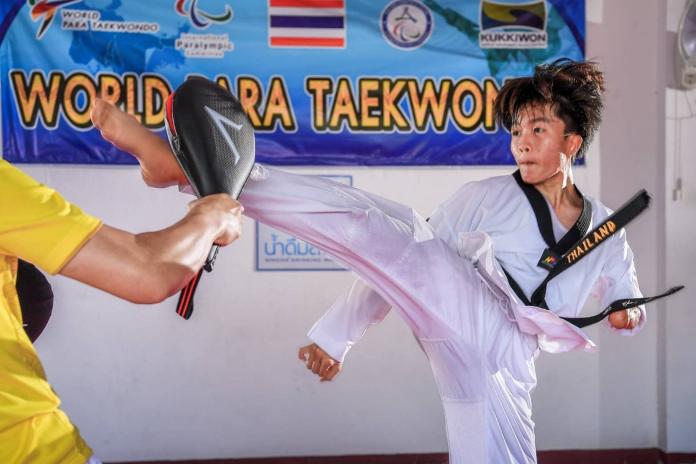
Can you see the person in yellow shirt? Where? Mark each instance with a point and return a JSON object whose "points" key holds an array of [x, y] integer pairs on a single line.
{"points": [[38, 225]]}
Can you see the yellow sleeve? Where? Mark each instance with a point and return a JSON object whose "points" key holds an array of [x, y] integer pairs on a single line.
{"points": [[37, 224]]}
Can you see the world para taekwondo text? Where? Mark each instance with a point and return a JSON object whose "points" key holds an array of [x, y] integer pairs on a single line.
{"points": [[364, 105]]}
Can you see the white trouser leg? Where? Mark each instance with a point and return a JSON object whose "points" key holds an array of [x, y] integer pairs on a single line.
{"points": [[387, 244]]}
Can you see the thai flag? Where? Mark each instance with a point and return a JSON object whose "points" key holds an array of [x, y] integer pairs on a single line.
{"points": [[307, 23]]}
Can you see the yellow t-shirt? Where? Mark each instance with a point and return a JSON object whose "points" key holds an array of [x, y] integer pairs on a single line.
{"points": [[39, 226]]}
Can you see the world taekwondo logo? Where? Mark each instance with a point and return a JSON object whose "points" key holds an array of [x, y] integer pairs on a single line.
{"points": [[46, 10], [406, 24], [518, 25], [220, 122], [200, 18]]}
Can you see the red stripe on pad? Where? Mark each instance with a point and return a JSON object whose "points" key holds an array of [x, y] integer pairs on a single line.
{"points": [[186, 295], [169, 106]]}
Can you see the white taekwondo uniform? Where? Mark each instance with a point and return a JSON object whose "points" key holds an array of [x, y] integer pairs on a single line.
{"points": [[444, 279]]}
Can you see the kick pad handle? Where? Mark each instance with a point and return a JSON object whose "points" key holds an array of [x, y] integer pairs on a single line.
{"points": [[210, 260], [184, 307]]}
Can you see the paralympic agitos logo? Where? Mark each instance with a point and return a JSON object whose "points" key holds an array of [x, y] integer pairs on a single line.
{"points": [[200, 18], [46, 11]]}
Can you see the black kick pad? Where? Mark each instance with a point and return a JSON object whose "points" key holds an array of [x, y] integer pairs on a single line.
{"points": [[211, 137], [213, 142]]}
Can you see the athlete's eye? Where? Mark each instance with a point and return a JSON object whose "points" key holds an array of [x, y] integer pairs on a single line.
{"points": [[515, 132], [538, 130]]}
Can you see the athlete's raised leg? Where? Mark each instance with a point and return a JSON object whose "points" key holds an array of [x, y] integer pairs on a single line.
{"points": [[157, 163], [388, 244]]}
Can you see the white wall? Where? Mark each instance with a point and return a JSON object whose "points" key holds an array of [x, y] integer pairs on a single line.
{"points": [[630, 46], [141, 383], [680, 314], [679, 373]]}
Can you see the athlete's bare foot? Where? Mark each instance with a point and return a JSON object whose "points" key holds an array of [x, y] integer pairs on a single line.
{"points": [[157, 163]]}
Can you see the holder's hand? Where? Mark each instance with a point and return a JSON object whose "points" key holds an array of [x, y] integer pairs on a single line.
{"points": [[224, 212]]}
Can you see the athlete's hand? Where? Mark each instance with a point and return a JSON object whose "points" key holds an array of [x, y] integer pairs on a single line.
{"points": [[319, 362], [626, 319]]}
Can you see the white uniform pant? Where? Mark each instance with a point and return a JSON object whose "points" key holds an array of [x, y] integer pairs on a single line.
{"points": [[483, 365]]}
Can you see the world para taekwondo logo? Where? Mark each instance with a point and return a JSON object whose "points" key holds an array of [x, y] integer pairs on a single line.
{"points": [[46, 10], [406, 24], [200, 18], [307, 23], [513, 25]]}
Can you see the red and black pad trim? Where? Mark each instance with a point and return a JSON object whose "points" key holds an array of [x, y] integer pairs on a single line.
{"points": [[213, 141], [184, 307]]}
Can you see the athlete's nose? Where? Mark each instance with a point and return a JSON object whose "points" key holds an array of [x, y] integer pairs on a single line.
{"points": [[523, 145]]}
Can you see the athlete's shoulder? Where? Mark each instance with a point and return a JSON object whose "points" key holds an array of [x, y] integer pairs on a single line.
{"points": [[599, 210], [489, 197], [495, 186]]}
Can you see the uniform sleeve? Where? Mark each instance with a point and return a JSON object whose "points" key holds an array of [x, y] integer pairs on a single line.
{"points": [[348, 319], [37, 224], [618, 279]]}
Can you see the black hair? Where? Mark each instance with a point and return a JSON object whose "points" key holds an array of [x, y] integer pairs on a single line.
{"points": [[572, 89]]}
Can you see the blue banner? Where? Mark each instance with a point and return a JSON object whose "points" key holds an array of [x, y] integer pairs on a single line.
{"points": [[324, 82]]}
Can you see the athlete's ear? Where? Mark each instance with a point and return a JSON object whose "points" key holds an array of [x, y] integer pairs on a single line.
{"points": [[574, 142]]}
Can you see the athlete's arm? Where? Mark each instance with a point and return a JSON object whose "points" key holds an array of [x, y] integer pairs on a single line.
{"points": [[151, 266], [619, 280], [341, 327], [347, 320]]}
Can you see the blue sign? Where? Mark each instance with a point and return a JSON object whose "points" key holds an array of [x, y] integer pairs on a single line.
{"points": [[278, 251], [324, 82]]}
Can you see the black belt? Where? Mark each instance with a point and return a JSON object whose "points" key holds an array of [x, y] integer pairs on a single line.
{"points": [[619, 305], [560, 256]]}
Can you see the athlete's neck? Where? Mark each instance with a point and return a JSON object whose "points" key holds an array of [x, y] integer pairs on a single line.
{"points": [[565, 201]]}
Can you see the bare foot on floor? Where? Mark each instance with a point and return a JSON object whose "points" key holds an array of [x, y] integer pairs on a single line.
{"points": [[157, 163]]}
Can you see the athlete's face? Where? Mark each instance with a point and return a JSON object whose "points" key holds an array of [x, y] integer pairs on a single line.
{"points": [[539, 140]]}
